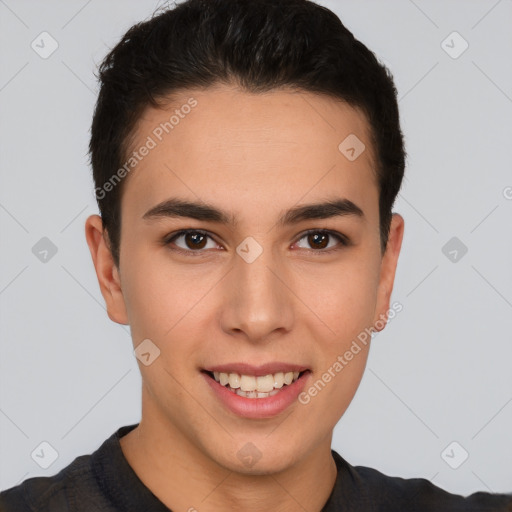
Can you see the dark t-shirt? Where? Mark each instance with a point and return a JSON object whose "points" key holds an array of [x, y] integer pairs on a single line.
{"points": [[105, 482]]}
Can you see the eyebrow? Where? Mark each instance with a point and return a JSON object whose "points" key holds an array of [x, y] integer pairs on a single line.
{"points": [[175, 208]]}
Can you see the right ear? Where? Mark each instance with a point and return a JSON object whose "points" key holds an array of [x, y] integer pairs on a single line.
{"points": [[106, 270]]}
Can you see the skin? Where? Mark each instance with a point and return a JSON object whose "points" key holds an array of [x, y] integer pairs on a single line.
{"points": [[255, 156]]}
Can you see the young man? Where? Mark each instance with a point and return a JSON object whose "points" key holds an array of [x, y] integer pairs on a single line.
{"points": [[246, 156]]}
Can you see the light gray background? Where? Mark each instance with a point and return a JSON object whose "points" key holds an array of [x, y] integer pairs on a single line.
{"points": [[440, 372]]}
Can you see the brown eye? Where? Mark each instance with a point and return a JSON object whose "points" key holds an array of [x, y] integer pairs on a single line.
{"points": [[195, 240], [191, 241], [318, 240], [322, 240]]}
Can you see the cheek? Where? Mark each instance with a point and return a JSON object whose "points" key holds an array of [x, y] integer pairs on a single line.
{"points": [[153, 301], [345, 300], [343, 297], [333, 387], [165, 303]]}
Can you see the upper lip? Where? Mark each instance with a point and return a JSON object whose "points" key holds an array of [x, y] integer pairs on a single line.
{"points": [[257, 371]]}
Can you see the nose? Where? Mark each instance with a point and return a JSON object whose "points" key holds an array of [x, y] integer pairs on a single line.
{"points": [[260, 303]]}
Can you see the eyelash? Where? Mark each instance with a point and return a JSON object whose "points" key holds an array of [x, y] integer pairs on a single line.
{"points": [[342, 239]]}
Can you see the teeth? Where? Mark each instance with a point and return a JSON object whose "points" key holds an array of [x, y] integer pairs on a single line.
{"points": [[265, 384], [279, 380], [247, 383], [234, 380], [288, 378], [250, 386]]}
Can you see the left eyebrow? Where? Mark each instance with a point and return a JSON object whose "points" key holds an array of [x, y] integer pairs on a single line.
{"points": [[339, 207], [175, 207]]}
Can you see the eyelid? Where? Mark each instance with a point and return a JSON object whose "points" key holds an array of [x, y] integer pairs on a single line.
{"points": [[342, 239], [171, 237]]}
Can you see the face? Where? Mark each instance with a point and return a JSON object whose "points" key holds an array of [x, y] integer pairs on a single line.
{"points": [[250, 247]]}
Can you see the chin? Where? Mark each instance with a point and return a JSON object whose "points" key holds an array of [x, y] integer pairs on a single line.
{"points": [[248, 458]]}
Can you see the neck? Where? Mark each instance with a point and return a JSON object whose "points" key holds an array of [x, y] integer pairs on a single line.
{"points": [[184, 478]]}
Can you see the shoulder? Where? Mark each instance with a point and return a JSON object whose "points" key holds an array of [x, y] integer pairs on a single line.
{"points": [[389, 493], [52, 493], [422, 495]]}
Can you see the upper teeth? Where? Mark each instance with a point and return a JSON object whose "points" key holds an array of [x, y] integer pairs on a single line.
{"points": [[262, 384]]}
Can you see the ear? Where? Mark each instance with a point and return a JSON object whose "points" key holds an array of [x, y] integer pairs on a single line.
{"points": [[387, 271], [106, 270]]}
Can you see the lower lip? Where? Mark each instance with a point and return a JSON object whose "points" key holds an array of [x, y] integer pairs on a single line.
{"points": [[255, 408]]}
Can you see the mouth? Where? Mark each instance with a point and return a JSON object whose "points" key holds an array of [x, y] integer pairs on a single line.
{"points": [[256, 392], [254, 385]]}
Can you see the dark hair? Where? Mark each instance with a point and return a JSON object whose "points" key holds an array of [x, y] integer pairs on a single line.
{"points": [[259, 45]]}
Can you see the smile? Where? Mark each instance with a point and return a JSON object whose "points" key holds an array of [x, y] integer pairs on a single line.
{"points": [[256, 392], [250, 386]]}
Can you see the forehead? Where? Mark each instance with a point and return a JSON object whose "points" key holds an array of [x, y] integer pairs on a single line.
{"points": [[251, 149]]}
